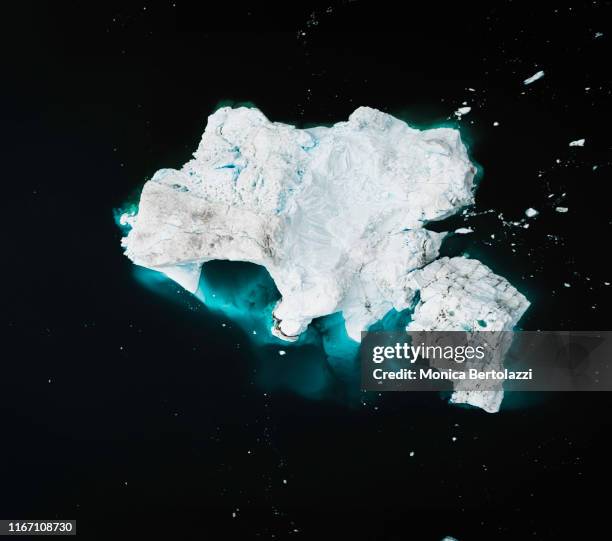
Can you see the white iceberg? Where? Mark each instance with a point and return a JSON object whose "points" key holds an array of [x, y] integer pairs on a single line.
{"points": [[462, 111], [535, 77], [336, 215]]}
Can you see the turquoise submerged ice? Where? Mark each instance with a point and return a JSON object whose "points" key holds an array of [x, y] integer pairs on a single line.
{"points": [[336, 215]]}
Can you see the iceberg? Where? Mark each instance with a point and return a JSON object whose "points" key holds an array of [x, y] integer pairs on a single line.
{"points": [[337, 215], [535, 77]]}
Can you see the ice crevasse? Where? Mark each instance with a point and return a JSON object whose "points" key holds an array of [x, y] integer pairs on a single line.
{"points": [[337, 215]]}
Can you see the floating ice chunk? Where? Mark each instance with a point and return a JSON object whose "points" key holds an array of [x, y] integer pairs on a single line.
{"points": [[336, 215], [462, 111], [461, 294], [457, 293], [561, 209], [566, 284], [531, 212], [577, 143], [534, 78], [126, 219], [464, 230], [496, 123]]}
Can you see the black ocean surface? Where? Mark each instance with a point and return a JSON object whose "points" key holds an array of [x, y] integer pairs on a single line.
{"points": [[137, 411]]}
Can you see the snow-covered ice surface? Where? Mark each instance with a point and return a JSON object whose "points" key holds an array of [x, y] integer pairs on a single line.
{"points": [[460, 294], [336, 215]]}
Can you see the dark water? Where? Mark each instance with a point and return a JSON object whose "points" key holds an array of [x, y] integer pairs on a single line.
{"points": [[130, 407]]}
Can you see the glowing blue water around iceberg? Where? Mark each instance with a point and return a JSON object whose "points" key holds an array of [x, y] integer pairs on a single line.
{"points": [[323, 359]]}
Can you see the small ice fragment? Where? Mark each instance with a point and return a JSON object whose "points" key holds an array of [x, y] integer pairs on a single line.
{"points": [[577, 143], [566, 284], [462, 111], [411, 453], [464, 230], [282, 352], [496, 123], [598, 34], [533, 78], [606, 283], [127, 218], [561, 209], [531, 212]]}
